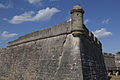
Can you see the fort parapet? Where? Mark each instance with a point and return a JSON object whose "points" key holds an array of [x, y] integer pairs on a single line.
{"points": [[60, 29], [67, 51]]}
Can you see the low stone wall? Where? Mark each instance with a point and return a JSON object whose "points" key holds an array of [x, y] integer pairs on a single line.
{"points": [[109, 60], [117, 60]]}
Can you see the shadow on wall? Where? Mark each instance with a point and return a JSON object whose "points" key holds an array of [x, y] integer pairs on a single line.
{"points": [[109, 77]]}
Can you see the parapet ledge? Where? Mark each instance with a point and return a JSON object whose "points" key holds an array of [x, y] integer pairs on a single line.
{"points": [[56, 30], [108, 55], [2, 49], [117, 54], [59, 29], [91, 37]]}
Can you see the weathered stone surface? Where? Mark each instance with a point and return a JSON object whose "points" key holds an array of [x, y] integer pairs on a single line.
{"points": [[6, 61], [109, 60]]}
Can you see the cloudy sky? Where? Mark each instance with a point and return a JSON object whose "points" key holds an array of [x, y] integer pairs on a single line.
{"points": [[20, 17]]}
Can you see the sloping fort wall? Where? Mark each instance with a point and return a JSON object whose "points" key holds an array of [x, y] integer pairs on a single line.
{"points": [[55, 53]]}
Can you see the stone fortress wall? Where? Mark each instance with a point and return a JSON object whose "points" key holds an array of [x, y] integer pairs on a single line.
{"points": [[112, 63], [117, 59], [109, 60], [67, 51]]}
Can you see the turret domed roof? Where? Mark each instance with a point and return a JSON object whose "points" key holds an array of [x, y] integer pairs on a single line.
{"points": [[77, 7]]}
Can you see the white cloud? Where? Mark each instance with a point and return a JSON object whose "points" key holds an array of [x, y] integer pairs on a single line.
{"points": [[6, 35], [38, 1], [42, 15], [69, 20], [3, 6], [86, 21], [101, 33], [106, 21], [115, 51], [53, 0], [35, 2], [21, 18]]}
